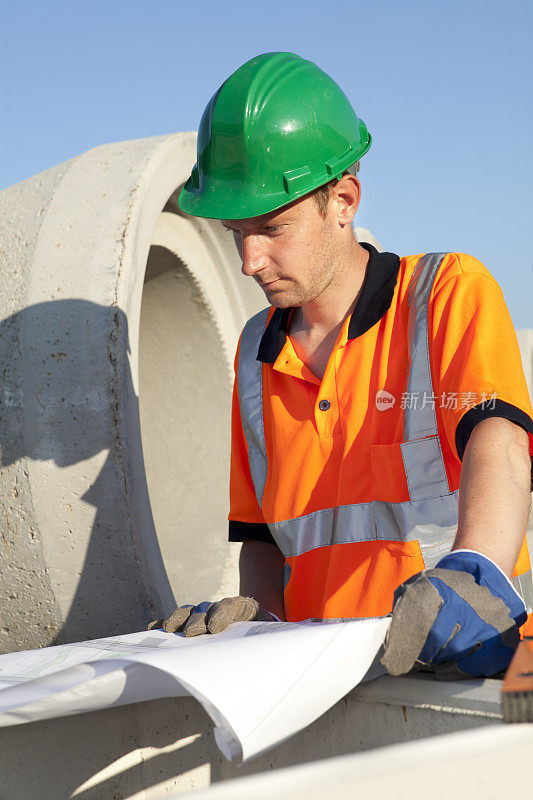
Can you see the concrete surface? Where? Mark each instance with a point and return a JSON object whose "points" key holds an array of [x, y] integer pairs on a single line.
{"points": [[157, 749], [487, 763]]}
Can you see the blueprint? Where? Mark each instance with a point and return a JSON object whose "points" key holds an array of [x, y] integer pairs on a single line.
{"points": [[260, 682], [27, 665]]}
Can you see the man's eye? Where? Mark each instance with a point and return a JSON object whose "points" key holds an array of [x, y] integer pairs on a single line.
{"points": [[272, 228]]}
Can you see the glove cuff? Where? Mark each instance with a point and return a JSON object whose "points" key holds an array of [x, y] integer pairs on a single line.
{"points": [[487, 573], [479, 555]]}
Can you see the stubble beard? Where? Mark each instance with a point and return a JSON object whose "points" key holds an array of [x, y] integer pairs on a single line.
{"points": [[320, 276]]}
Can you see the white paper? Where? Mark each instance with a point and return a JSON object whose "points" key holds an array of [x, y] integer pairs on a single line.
{"points": [[260, 682]]}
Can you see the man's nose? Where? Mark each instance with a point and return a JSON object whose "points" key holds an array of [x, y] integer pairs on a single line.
{"points": [[252, 255]]}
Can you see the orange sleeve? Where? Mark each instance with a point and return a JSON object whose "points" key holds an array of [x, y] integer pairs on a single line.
{"points": [[246, 519], [475, 358]]}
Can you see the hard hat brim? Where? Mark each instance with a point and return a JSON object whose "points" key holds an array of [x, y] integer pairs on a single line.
{"points": [[233, 200]]}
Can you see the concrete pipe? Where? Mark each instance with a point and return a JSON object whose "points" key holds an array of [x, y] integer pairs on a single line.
{"points": [[119, 322]]}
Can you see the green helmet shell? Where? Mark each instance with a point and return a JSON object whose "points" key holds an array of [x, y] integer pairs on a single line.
{"points": [[276, 129]]}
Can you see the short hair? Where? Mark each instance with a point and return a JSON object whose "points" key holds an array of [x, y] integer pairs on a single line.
{"points": [[323, 193]]}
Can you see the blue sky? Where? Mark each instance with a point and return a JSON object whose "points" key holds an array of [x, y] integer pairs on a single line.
{"points": [[444, 87]]}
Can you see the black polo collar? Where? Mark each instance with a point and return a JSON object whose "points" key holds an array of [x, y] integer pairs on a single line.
{"points": [[374, 301]]}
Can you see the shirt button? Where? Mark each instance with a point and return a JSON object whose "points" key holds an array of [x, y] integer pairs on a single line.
{"points": [[324, 405]]}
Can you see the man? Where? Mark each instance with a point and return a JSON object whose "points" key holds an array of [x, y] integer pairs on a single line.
{"points": [[380, 453]]}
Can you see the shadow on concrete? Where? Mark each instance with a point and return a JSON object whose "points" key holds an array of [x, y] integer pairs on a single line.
{"points": [[179, 752], [96, 755], [65, 374]]}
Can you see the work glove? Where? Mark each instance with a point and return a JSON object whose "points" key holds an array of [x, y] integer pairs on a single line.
{"points": [[460, 619], [210, 617]]}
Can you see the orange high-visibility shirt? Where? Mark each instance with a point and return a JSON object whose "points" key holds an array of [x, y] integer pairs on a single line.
{"points": [[336, 442]]}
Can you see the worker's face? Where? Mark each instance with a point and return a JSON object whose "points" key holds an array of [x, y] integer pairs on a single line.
{"points": [[291, 253]]}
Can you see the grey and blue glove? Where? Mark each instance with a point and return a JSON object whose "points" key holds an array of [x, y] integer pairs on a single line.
{"points": [[460, 619], [210, 617]]}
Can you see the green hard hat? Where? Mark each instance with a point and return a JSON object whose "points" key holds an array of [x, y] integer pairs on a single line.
{"points": [[276, 129]]}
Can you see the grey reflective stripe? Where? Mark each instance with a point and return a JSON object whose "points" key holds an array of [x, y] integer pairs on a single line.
{"points": [[420, 420], [524, 585], [424, 468], [431, 521], [422, 457], [341, 525], [250, 386], [378, 520]]}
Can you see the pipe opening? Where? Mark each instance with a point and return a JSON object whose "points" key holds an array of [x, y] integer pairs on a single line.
{"points": [[185, 399]]}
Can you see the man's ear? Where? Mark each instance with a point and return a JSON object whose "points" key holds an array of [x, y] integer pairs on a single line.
{"points": [[346, 199]]}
